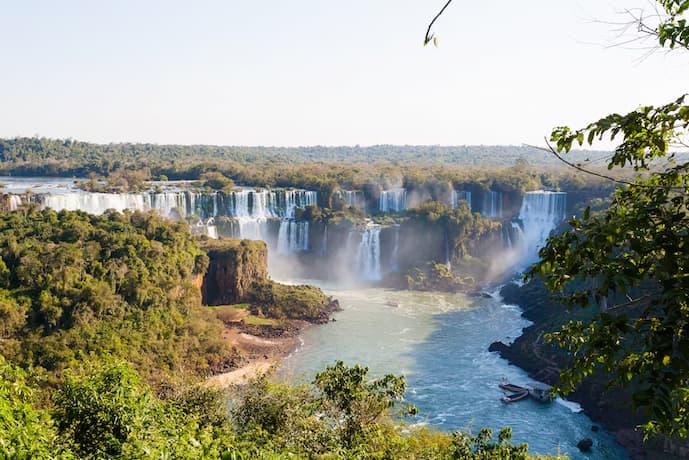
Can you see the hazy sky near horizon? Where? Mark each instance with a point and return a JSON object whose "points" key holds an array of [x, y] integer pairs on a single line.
{"points": [[306, 72]]}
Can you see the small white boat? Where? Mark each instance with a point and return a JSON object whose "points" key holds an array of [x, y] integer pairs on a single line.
{"points": [[514, 397], [536, 390]]}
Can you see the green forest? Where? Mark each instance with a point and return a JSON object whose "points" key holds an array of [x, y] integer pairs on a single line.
{"points": [[105, 345], [109, 342], [72, 157]]}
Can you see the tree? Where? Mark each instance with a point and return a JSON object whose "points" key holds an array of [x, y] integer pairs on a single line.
{"points": [[630, 262], [104, 410], [25, 432], [635, 254]]}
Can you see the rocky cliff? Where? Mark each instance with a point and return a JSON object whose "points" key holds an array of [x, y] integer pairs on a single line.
{"points": [[544, 361], [234, 265]]}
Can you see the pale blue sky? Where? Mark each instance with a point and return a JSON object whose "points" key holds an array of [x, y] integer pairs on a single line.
{"points": [[330, 72]]}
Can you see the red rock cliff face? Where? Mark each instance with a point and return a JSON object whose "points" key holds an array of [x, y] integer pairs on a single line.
{"points": [[234, 265]]}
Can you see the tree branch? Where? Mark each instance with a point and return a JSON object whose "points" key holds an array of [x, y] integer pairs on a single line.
{"points": [[550, 149], [632, 301], [429, 35]]}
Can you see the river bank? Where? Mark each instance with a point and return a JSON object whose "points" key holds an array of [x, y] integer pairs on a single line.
{"points": [[262, 343], [261, 348], [543, 362], [439, 342]]}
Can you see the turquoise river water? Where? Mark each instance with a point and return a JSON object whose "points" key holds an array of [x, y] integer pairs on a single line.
{"points": [[440, 343]]}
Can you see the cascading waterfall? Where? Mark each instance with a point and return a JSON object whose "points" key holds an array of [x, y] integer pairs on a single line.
{"points": [[507, 238], [352, 198], [208, 228], [492, 204], [459, 195], [93, 203], [293, 236], [324, 244], [446, 240], [394, 257], [250, 208], [394, 200], [14, 201], [517, 232], [182, 203], [541, 212], [368, 254]]}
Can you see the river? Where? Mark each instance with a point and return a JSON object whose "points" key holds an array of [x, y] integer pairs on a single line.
{"points": [[440, 342]]}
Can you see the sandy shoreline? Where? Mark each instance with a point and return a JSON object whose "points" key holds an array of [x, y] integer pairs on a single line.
{"points": [[242, 375], [261, 353]]}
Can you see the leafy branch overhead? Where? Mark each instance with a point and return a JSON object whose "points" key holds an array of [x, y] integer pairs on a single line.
{"points": [[629, 264]]}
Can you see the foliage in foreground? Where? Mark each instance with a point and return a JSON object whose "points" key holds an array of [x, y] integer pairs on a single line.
{"points": [[105, 411], [633, 258]]}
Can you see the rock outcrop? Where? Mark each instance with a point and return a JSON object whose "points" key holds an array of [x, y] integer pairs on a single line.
{"points": [[234, 265], [543, 362]]}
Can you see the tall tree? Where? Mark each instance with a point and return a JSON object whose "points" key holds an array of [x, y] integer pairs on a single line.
{"points": [[630, 263]]}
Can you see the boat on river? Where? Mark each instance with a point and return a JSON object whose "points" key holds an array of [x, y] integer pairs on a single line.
{"points": [[540, 391], [514, 397], [505, 385], [536, 390]]}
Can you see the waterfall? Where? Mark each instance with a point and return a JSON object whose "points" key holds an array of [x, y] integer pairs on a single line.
{"points": [[324, 244], [394, 200], [211, 229], [368, 254], [207, 228], [262, 204], [506, 237], [394, 257], [459, 195], [492, 204], [93, 203], [250, 208], [352, 198], [517, 233], [165, 203], [283, 237], [293, 236], [14, 201], [448, 262], [540, 214]]}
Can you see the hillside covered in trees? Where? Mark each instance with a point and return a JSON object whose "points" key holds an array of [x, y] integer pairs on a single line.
{"points": [[104, 337], [41, 156]]}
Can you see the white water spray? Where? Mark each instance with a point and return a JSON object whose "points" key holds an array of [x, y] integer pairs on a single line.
{"points": [[368, 254], [394, 200], [541, 212]]}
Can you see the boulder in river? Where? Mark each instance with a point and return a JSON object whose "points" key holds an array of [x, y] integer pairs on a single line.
{"points": [[585, 445]]}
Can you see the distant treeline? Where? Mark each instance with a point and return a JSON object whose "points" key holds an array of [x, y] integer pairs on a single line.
{"points": [[66, 156]]}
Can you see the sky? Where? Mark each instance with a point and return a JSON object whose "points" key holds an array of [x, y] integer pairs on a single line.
{"points": [[328, 72]]}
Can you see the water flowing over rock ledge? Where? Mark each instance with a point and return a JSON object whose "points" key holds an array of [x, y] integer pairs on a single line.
{"points": [[313, 246]]}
